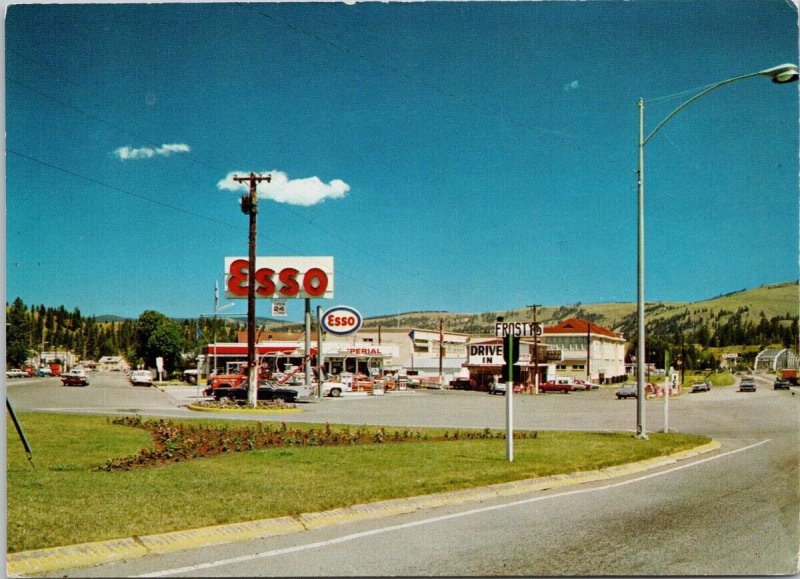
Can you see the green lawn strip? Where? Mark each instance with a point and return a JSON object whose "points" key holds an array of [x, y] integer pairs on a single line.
{"points": [[66, 500]]}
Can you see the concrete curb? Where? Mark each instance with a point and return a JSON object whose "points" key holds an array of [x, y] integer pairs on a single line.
{"points": [[89, 554], [197, 408]]}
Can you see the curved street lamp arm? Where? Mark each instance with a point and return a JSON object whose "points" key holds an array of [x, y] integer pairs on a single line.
{"points": [[714, 86]]}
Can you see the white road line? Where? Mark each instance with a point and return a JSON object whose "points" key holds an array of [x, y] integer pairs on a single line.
{"points": [[432, 520]]}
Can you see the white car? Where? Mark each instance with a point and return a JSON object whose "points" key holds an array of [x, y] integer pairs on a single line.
{"points": [[497, 388], [16, 373], [141, 378]]}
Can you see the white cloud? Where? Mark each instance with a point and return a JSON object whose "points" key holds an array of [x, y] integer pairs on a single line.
{"points": [[127, 153], [571, 86], [308, 191]]}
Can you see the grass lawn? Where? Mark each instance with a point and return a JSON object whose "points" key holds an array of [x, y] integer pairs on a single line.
{"points": [[67, 498]]}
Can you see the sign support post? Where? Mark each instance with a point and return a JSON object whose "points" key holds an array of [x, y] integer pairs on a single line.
{"points": [[320, 358], [511, 332], [667, 388], [307, 365], [508, 351]]}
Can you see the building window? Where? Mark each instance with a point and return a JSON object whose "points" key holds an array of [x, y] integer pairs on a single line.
{"points": [[421, 347]]}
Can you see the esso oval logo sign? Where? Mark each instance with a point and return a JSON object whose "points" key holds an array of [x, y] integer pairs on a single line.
{"points": [[341, 320]]}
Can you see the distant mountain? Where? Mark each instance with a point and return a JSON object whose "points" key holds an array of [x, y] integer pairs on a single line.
{"points": [[108, 319], [764, 313]]}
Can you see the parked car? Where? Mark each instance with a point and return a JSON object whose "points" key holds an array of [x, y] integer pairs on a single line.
{"points": [[747, 385], [462, 384], [556, 386], [44, 371], [189, 376], [497, 388], [141, 378], [704, 386], [626, 391], [266, 391], [586, 385], [74, 379], [781, 384], [16, 373]]}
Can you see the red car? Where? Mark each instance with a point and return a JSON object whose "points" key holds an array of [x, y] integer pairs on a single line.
{"points": [[74, 380], [552, 386]]}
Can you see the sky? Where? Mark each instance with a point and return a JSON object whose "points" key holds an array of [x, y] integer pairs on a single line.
{"points": [[450, 156]]}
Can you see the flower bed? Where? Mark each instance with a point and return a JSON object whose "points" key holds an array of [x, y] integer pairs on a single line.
{"points": [[174, 442]]}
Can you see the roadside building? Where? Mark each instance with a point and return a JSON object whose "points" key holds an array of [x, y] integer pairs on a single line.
{"points": [[112, 363], [589, 352], [418, 354], [64, 357], [485, 361]]}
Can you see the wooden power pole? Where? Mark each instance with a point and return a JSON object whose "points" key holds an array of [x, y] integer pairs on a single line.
{"points": [[250, 207]]}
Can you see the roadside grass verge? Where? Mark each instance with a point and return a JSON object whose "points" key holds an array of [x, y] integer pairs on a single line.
{"points": [[67, 498], [721, 378]]}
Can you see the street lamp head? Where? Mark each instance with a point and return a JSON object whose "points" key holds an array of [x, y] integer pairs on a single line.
{"points": [[781, 74]]}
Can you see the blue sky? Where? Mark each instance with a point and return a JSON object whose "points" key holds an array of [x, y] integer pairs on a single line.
{"points": [[457, 156]]}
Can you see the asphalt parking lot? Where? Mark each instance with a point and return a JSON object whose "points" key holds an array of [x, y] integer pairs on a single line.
{"points": [[595, 410]]}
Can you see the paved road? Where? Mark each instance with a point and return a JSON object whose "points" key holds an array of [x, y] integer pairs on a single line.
{"points": [[734, 512]]}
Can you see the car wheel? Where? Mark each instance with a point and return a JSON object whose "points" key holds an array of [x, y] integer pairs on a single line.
{"points": [[336, 392]]}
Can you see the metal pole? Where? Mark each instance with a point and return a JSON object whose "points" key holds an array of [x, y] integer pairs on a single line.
{"points": [[214, 329], [781, 74], [668, 385], [320, 358], [509, 401], [536, 352], [21, 434], [640, 431], [441, 353], [307, 368]]}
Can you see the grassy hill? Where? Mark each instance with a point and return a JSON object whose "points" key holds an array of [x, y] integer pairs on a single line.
{"points": [[777, 300]]}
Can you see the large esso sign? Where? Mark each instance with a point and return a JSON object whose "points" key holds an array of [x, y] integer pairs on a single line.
{"points": [[341, 320], [280, 277]]}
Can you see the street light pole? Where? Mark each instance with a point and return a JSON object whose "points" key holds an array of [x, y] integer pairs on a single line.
{"points": [[781, 74]]}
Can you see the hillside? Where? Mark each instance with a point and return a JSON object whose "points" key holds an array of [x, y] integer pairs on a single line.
{"points": [[777, 301]]}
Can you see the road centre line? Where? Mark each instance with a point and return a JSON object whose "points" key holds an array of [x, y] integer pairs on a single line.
{"points": [[438, 519]]}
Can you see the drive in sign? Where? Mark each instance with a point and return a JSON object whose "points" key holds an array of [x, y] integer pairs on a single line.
{"points": [[517, 329]]}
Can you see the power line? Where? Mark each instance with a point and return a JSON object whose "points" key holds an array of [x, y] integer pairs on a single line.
{"points": [[119, 189], [167, 205]]}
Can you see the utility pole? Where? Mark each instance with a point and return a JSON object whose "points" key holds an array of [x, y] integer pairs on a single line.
{"points": [[250, 207], [588, 350], [535, 351]]}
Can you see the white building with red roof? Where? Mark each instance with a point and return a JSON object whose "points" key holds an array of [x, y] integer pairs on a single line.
{"points": [[588, 351]]}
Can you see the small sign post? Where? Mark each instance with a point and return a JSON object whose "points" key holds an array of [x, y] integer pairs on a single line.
{"points": [[510, 353], [511, 332]]}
